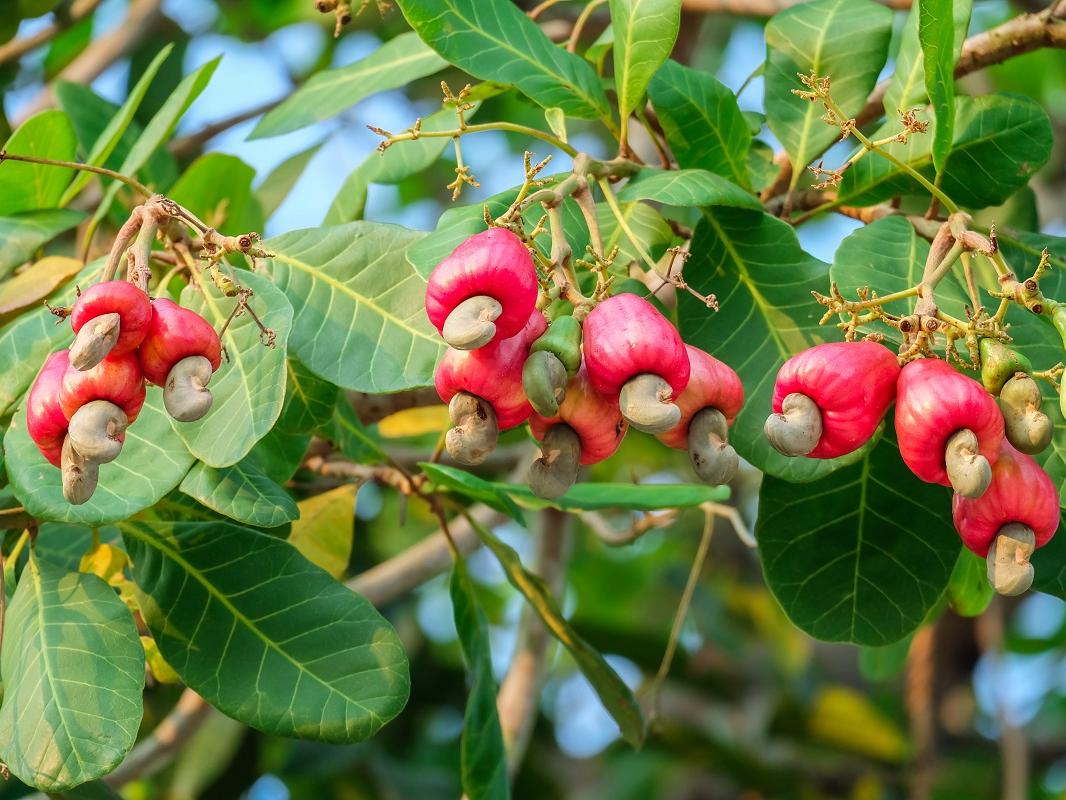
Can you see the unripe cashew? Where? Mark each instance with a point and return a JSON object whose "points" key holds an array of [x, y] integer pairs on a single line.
{"points": [[553, 474], [645, 400], [968, 470], [544, 379], [80, 475], [474, 436], [185, 393], [95, 429], [713, 459], [470, 325], [94, 341], [797, 429], [1009, 570], [1025, 425]]}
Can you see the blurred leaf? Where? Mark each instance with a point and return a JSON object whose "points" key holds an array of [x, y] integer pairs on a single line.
{"points": [[217, 187], [359, 321], [31, 286], [153, 461], [617, 698], [885, 663], [415, 422], [324, 531], [277, 186], [97, 790], [22, 234], [844, 40], [906, 88], [309, 400], [249, 387], [264, 635], [845, 719], [635, 497], [396, 63], [644, 35], [495, 40], [860, 556], [687, 187], [1049, 563], [206, 757], [482, 754], [936, 32], [29, 187], [477, 489], [969, 590], [73, 673], [67, 46], [702, 121], [350, 436], [241, 492]]}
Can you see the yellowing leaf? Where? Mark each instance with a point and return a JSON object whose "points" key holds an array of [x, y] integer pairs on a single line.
{"points": [[35, 283], [323, 533], [161, 670], [415, 422], [790, 648], [105, 561], [846, 719]]}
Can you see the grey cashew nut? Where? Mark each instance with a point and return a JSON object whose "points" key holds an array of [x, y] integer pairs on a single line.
{"points": [[645, 400], [1009, 570], [796, 430], [1025, 425], [94, 341], [712, 457], [475, 431], [968, 471], [544, 379], [80, 475], [470, 325], [95, 429], [555, 471], [185, 393]]}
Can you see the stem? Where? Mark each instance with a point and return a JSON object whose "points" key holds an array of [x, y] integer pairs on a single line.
{"points": [[971, 283], [579, 24], [511, 127], [605, 187], [133, 183]]}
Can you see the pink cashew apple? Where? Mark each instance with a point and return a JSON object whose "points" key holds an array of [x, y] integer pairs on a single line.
{"points": [[116, 379], [180, 353], [634, 354], [829, 399], [110, 317], [45, 420], [484, 291]]}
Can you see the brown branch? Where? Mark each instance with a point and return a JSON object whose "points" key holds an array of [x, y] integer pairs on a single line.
{"points": [[17, 48], [373, 408], [190, 145], [761, 8]]}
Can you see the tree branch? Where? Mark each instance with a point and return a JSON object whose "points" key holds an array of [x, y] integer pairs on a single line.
{"points": [[190, 145], [17, 48]]}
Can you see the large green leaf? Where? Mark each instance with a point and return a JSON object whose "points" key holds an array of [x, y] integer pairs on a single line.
{"points": [[754, 264], [845, 40], [1049, 564], [241, 492], [73, 672], [495, 40], [482, 756], [28, 187], [263, 634], [309, 400], [396, 63], [350, 436], [249, 386], [702, 121], [360, 321], [153, 461], [687, 187], [21, 234], [861, 555], [477, 489], [644, 35], [217, 187], [1000, 142], [906, 88], [936, 32], [635, 497]]}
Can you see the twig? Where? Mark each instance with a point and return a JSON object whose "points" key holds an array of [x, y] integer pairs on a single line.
{"points": [[133, 183], [190, 144], [579, 24], [17, 48], [652, 520]]}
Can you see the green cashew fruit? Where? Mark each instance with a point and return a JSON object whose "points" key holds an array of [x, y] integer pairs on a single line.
{"points": [[1000, 363], [563, 339]]}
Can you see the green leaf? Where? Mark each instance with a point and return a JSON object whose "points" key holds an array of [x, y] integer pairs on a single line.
{"points": [[906, 88], [28, 187], [495, 40], [862, 555], [482, 755], [614, 694], [845, 40], [241, 492], [217, 187], [360, 321], [324, 531], [350, 436], [21, 234], [275, 188], [396, 63], [1049, 564], [687, 187], [279, 454], [936, 32], [96, 790], [478, 489], [635, 497], [702, 122], [153, 461], [644, 35], [753, 263], [264, 635], [249, 387], [309, 401], [1004, 139], [885, 663], [73, 672], [110, 136], [644, 224], [969, 590]]}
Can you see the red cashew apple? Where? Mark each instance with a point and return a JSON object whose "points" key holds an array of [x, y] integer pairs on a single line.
{"points": [[116, 379], [949, 428], [634, 354], [45, 421], [484, 291], [483, 390], [110, 317], [829, 400], [1017, 514], [587, 429], [180, 353], [709, 404]]}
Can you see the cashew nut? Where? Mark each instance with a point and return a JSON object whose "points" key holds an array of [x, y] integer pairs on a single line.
{"points": [[1009, 570], [553, 474], [1026, 426], [95, 429], [544, 379], [796, 430], [185, 392], [968, 470], [475, 431], [94, 341], [713, 458], [645, 400], [80, 475], [470, 325]]}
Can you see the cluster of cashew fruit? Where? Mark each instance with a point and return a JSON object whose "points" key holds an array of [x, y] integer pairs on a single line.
{"points": [[952, 430], [85, 398], [579, 382]]}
